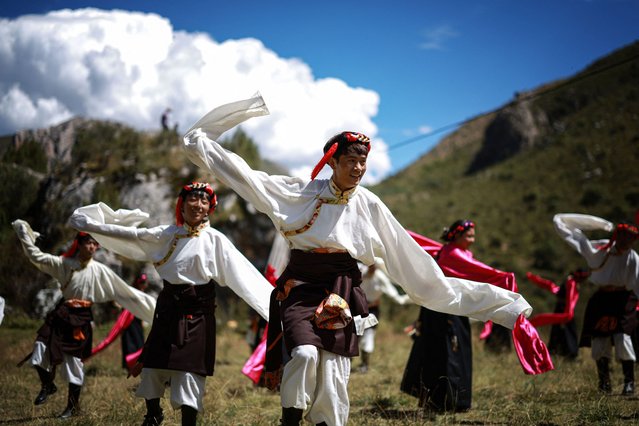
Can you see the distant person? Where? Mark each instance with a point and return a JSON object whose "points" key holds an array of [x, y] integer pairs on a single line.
{"points": [[330, 224], [611, 311], [165, 119], [191, 257], [563, 334], [375, 283], [66, 337], [440, 364]]}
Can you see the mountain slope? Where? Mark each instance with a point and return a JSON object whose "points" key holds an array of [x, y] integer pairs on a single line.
{"points": [[570, 146]]}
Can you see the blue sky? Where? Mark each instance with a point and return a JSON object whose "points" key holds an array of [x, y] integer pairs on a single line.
{"points": [[431, 64]]}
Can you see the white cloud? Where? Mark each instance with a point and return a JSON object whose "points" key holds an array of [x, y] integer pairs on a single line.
{"points": [[130, 66], [435, 37]]}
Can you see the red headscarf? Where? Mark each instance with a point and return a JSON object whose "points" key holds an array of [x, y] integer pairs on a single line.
{"points": [[191, 187], [334, 143]]}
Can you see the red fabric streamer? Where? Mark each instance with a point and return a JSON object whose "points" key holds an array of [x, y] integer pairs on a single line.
{"points": [[270, 275], [132, 359], [255, 364], [531, 350], [432, 247], [543, 283], [124, 320], [329, 154], [572, 296]]}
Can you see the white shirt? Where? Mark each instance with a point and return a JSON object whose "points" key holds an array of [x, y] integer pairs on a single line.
{"points": [[619, 269], [377, 284], [356, 221], [91, 281], [195, 260]]}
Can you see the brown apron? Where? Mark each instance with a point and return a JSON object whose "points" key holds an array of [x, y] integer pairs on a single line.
{"points": [[182, 336]]}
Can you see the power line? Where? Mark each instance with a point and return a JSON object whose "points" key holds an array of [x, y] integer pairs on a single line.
{"points": [[528, 97]]}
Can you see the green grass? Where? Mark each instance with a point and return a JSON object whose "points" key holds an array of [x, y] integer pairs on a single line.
{"points": [[502, 393]]}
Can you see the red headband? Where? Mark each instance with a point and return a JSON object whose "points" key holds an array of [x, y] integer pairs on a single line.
{"points": [[343, 137], [76, 242], [621, 227], [451, 234], [194, 186]]}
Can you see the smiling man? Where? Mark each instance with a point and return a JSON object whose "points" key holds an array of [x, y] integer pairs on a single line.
{"points": [[330, 224]]}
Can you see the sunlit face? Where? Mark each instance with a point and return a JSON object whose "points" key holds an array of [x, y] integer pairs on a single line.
{"points": [[348, 170], [87, 248], [466, 239], [195, 208]]}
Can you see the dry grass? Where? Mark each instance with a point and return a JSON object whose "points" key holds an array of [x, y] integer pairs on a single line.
{"points": [[502, 394]]}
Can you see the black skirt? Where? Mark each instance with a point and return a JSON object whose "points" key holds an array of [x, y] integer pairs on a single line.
{"points": [[182, 336], [439, 368], [608, 313]]}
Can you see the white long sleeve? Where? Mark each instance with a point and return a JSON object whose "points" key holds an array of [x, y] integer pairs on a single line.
{"points": [[363, 226], [92, 281], [195, 260], [608, 269]]}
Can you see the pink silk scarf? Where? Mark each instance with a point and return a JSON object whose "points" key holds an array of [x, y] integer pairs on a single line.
{"points": [[531, 350]]}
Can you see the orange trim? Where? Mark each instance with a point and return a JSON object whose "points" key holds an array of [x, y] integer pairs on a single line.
{"points": [[78, 303]]}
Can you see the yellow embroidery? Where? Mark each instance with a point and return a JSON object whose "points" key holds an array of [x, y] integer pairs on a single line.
{"points": [[341, 198], [191, 232]]}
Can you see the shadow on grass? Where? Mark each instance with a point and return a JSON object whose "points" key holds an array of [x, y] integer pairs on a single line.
{"points": [[22, 420]]}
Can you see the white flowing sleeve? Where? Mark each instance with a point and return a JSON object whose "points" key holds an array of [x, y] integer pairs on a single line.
{"points": [[45, 262], [241, 276], [419, 275], [267, 193], [140, 304], [570, 227], [117, 230]]}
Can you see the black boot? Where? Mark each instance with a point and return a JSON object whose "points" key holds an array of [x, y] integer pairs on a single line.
{"points": [[48, 387], [189, 415], [73, 402], [154, 415], [628, 368], [603, 372], [291, 416]]}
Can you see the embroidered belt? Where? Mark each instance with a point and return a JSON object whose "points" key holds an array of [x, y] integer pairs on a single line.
{"points": [[325, 250], [78, 303]]}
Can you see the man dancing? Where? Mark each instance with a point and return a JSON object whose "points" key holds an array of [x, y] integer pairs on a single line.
{"points": [[66, 337]]}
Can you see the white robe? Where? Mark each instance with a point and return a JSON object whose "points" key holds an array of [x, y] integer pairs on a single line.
{"points": [[363, 226]]}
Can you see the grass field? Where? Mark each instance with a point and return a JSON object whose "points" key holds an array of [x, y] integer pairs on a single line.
{"points": [[502, 393]]}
